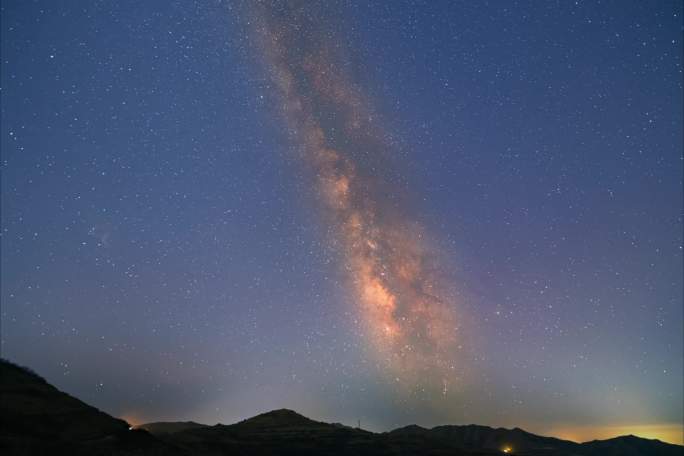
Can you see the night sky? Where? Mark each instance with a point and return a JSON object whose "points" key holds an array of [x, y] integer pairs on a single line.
{"points": [[398, 212]]}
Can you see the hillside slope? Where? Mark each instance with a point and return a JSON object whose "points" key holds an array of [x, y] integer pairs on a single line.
{"points": [[37, 418]]}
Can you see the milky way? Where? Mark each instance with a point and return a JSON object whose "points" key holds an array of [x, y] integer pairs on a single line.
{"points": [[391, 273]]}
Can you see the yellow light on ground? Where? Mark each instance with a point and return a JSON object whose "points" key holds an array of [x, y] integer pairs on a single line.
{"points": [[507, 449]]}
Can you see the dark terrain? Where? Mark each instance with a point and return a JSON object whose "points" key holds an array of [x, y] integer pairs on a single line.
{"points": [[36, 418]]}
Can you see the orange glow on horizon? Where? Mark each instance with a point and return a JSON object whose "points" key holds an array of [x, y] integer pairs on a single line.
{"points": [[665, 432], [132, 419]]}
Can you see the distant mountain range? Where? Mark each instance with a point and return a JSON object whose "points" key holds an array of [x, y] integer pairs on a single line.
{"points": [[37, 418]]}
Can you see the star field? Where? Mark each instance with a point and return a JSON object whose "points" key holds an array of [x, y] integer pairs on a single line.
{"points": [[174, 247]]}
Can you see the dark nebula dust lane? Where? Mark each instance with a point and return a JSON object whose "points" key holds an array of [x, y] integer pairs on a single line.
{"points": [[391, 274]]}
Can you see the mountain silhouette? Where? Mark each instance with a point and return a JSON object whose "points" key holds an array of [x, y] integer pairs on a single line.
{"points": [[163, 427], [37, 418]]}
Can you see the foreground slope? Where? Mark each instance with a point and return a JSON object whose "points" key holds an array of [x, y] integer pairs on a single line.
{"points": [[37, 418]]}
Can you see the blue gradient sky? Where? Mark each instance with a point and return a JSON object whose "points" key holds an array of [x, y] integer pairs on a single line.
{"points": [[164, 256]]}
